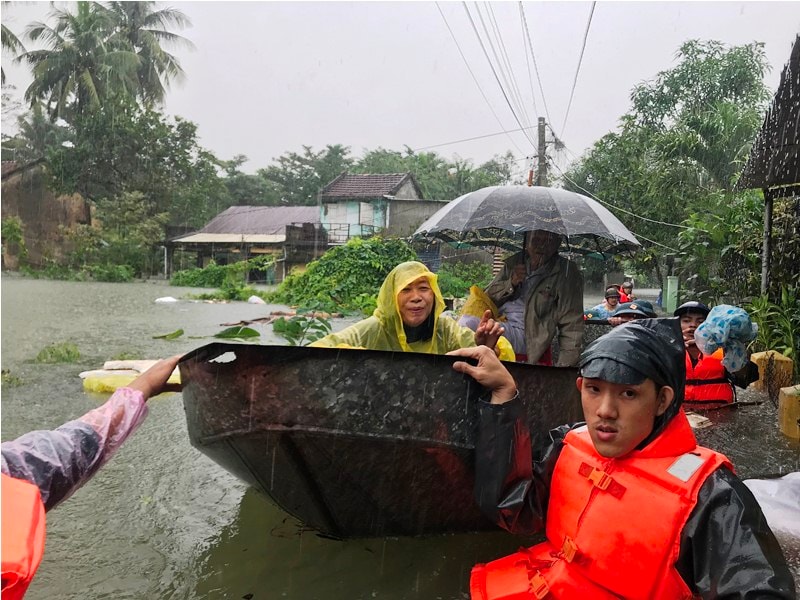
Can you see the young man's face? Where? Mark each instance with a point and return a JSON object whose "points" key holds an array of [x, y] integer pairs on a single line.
{"points": [[620, 416], [689, 322], [415, 302]]}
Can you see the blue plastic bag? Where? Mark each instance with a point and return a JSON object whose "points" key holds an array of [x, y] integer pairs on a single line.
{"points": [[730, 328]]}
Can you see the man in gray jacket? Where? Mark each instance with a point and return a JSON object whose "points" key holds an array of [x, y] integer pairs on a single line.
{"points": [[541, 293]]}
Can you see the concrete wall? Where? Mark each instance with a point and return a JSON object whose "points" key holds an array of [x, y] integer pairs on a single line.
{"points": [[407, 192], [406, 215]]}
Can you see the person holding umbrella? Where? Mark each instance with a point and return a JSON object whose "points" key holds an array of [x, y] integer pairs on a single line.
{"points": [[541, 294]]}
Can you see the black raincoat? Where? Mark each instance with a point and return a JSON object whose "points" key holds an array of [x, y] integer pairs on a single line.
{"points": [[727, 549]]}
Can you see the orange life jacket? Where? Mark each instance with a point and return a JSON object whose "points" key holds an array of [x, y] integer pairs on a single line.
{"points": [[22, 535], [706, 381], [613, 525]]}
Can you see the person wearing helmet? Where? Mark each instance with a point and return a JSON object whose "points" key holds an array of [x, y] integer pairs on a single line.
{"points": [[608, 306], [630, 505], [627, 311], [708, 382]]}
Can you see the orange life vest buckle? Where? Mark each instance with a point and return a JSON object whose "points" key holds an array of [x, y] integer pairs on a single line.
{"points": [[600, 479], [539, 587], [569, 549]]}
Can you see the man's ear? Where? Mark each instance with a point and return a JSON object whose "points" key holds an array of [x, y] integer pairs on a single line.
{"points": [[579, 383], [665, 397]]}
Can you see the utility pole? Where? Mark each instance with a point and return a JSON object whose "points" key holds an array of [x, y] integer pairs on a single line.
{"points": [[541, 176]]}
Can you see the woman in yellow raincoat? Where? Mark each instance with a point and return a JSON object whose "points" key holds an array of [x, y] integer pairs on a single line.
{"points": [[408, 319]]}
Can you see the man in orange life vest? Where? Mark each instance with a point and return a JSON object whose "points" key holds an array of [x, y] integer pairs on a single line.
{"points": [[42, 468], [630, 505], [707, 380]]}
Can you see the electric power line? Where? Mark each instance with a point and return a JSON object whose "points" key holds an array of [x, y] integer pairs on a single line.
{"points": [[578, 69], [497, 78], [533, 58], [480, 89], [469, 139]]}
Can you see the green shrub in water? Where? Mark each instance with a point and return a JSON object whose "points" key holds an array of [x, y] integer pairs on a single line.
{"points": [[340, 278], [66, 352], [456, 278], [9, 379]]}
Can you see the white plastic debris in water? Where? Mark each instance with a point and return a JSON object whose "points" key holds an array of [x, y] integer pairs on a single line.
{"points": [[255, 300], [698, 421], [165, 300], [780, 501]]}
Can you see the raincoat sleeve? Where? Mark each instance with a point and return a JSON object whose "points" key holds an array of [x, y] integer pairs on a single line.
{"points": [[569, 316], [500, 289], [727, 549], [60, 461], [363, 334], [512, 480]]}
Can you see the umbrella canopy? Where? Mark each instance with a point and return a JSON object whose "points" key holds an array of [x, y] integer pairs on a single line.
{"points": [[500, 215]]}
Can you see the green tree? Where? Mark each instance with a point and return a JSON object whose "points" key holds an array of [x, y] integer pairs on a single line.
{"points": [[80, 65], [674, 159], [300, 177], [144, 31], [10, 43], [248, 190], [35, 137]]}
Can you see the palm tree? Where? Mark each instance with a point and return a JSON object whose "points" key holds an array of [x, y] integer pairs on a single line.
{"points": [[144, 30], [12, 44], [81, 65]]}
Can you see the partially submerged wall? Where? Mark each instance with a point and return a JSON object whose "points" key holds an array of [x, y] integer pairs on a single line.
{"points": [[46, 217]]}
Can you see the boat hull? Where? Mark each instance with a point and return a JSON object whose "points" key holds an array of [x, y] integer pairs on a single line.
{"points": [[355, 443]]}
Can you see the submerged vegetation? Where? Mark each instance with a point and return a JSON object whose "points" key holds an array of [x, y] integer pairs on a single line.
{"points": [[346, 278], [64, 352]]}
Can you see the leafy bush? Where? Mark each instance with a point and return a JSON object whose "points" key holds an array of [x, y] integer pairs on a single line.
{"points": [[66, 352], [302, 329], [211, 276], [340, 278], [456, 278], [778, 325], [12, 231], [113, 273]]}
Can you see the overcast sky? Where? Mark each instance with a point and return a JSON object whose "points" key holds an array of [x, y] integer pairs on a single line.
{"points": [[270, 77]]}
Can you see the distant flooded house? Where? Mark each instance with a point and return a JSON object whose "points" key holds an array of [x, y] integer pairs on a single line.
{"points": [[354, 205], [290, 234]]}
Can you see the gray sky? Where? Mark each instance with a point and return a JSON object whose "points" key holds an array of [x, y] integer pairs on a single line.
{"points": [[269, 77]]}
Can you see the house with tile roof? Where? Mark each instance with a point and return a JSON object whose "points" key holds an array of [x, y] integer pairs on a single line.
{"points": [[354, 205]]}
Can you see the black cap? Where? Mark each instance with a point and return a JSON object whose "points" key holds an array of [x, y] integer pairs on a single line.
{"points": [[611, 292], [692, 306], [609, 369], [651, 348]]}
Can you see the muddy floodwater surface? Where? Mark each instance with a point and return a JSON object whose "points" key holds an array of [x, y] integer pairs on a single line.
{"points": [[161, 520]]}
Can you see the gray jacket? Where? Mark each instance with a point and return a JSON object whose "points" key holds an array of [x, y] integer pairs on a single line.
{"points": [[555, 304]]}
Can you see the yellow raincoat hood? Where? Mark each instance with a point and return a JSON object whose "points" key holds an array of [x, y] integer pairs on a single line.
{"points": [[384, 329], [388, 311]]}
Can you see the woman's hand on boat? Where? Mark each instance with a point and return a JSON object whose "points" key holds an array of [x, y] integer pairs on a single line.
{"points": [[488, 331], [154, 380], [489, 372]]}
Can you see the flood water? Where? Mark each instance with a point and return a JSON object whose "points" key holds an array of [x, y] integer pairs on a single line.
{"points": [[161, 520]]}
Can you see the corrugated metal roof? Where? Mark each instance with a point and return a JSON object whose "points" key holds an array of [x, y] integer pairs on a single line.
{"points": [[349, 185], [775, 156], [260, 219], [231, 238]]}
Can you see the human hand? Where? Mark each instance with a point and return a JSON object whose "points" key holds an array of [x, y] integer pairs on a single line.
{"points": [[154, 380], [489, 372], [614, 321], [488, 331], [518, 274]]}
